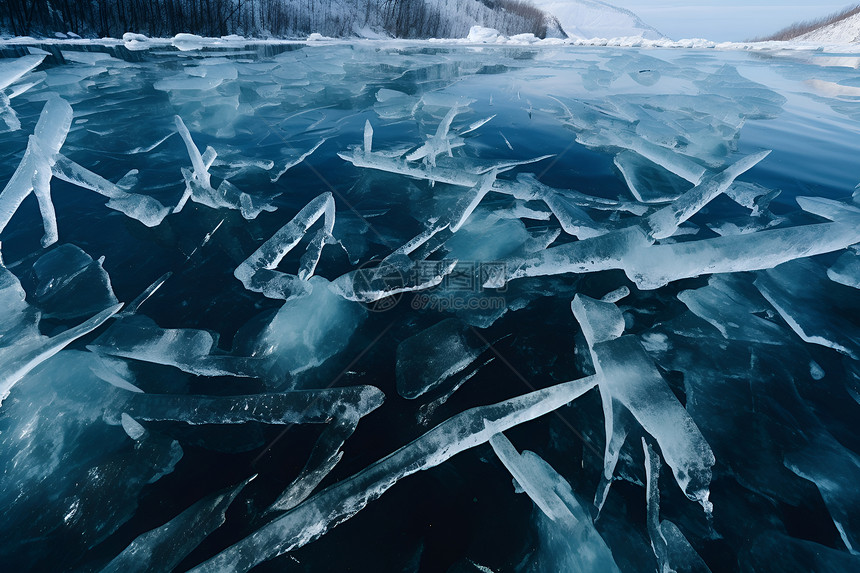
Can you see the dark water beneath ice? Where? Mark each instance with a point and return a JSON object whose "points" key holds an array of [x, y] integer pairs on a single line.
{"points": [[755, 402]]}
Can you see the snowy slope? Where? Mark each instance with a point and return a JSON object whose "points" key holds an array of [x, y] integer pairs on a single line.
{"points": [[845, 31], [596, 19]]}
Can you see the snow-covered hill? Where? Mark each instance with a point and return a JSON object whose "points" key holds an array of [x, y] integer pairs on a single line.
{"points": [[845, 31], [596, 19]]}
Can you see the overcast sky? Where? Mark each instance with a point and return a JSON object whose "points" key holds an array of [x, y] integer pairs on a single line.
{"points": [[726, 20]]}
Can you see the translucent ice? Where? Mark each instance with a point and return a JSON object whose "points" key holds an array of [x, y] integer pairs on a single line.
{"points": [[665, 222], [628, 377], [834, 470], [293, 407], [428, 359], [846, 270], [34, 171], [654, 266], [817, 309], [438, 143], [140, 207], [70, 284], [198, 182], [83, 477], [163, 548], [601, 321], [28, 348], [571, 543], [730, 304], [307, 330], [631, 378], [673, 551], [11, 70], [258, 272], [340, 501], [139, 338]]}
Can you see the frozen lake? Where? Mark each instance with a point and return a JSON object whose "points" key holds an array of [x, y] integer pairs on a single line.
{"points": [[330, 254]]}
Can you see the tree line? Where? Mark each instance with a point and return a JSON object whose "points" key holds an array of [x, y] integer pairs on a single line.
{"points": [[800, 28], [268, 18]]}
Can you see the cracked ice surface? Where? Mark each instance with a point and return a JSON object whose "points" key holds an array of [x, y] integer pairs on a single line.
{"points": [[374, 281]]}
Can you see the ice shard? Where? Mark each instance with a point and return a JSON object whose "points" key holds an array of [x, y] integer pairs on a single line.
{"points": [[138, 337], [628, 377], [730, 304], [654, 266], [673, 551], [817, 309], [198, 183], [665, 222], [305, 332], [28, 346], [647, 181], [455, 171], [428, 359], [163, 548], [834, 470], [532, 479], [86, 475], [583, 549], [337, 503], [70, 284], [438, 143], [12, 70], [140, 207], [34, 172], [258, 272], [293, 407], [601, 321], [846, 270]]}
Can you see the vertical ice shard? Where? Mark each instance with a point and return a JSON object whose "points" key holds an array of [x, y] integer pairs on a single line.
{"points": [[198, 183], [337, 503], [674, 553], [438, 143], [163, 548], [601, 321], [34, 171], [583, 549], [628, 377], [258, 272]]}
